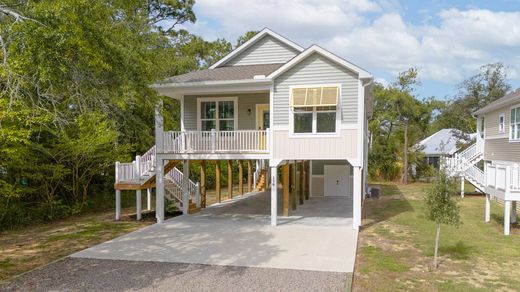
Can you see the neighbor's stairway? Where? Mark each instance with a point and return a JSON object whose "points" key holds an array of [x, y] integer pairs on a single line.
{"points": [[464, 164]]}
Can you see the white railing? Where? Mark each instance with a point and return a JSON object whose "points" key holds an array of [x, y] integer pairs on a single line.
{"points": [[476, 174], [514, 181], [241, 141], [147, 162], [125, 172], [176, 177], [497, 176], [260, 164]]}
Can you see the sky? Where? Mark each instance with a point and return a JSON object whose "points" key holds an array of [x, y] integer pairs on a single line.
{"points": [[447, 41]]}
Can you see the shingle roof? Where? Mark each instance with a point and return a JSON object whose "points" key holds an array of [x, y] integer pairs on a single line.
{"points": [[225, 73], [444, 142]]}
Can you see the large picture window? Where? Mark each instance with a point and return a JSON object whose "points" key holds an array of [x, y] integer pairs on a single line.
{"points": [[314, 109], [218, 114], [514, 128]]}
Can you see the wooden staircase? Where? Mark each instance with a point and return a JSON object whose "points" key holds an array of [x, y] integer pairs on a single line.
{"points": [[261, 182]]}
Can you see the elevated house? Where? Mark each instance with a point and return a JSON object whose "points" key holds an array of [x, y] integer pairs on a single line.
{"points": [[498, 145], [297, 116]]}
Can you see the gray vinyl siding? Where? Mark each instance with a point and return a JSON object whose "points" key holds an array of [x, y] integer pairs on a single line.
{"points": [[497, 145], [246, 120], [268, 50], [316, 69]]}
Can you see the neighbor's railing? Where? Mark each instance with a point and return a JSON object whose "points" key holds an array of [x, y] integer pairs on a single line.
{"points": [[241, 141]]}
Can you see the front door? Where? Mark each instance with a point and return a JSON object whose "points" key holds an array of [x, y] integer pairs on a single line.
{"points": [[262, 116], [336, 180]]}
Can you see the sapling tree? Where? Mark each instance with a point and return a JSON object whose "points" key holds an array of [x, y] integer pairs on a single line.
{"points": [[441, 207]]}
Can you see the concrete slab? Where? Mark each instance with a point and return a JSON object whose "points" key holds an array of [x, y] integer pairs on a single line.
{"points": [[238, 234]]}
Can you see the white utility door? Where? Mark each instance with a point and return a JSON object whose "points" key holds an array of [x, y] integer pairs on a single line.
{"points": [[336, 180]]}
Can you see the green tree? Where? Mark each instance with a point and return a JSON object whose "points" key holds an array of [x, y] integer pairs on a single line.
{"points": [[487, 85], [245, 37], [441, 207]]}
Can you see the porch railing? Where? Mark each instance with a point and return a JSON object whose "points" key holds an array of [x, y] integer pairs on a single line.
{"points": [[504, 178], [241, 141]]}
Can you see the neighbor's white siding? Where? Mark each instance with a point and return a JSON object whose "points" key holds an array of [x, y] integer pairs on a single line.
{"points": [[268, 50], [316, 69]]}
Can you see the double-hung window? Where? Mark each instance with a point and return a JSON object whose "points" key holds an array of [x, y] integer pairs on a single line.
{"points": [[314, 109], [514, 126], [218, 114]]}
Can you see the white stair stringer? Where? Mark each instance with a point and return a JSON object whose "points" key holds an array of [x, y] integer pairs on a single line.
{"points": [[174, 190], [464, 164]]}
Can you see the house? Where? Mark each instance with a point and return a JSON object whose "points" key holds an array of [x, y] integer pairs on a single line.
{"points": [[442, 144], [298, 116], [497, 144]]}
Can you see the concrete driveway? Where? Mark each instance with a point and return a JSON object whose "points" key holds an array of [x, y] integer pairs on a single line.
{"points": [[317, 237]]}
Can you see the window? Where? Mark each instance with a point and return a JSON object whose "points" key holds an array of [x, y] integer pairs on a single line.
{"points": [[218, 114], [514, 129], [501, 120], [314, 109]]}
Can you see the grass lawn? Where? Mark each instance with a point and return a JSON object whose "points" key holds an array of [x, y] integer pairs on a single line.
{"points": [[395, 250], [31, 247]]}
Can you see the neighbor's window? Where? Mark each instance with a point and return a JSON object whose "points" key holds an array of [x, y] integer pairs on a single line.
{"points": [[514, 129], [314, 109], [501, 120], [218, 115]]}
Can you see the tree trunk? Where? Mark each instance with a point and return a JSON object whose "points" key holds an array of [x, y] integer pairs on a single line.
{"points": [[405, 154], [435, 265]]}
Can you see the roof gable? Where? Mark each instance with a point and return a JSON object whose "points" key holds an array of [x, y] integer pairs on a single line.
{"points": [[261, 48]]}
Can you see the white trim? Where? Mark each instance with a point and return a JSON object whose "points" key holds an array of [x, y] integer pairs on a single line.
{"points": [[497, 136], [182, 113], [234, 99], [254, 40], [511, 128], [256, 116], [271, 121], [314, 133], [322, 175], [317, 49]]}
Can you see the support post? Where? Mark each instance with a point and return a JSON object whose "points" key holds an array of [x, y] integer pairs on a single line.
{"points": [[356, 209], [230, 179], [249, 171], [118, 204], [159, 169], [185, 187], [507, 216], [307, 180], [148, 199], [513, 212], [217, 181], [240, 178], [292, 183], [285, 185], [462, 186], [488, 208], [300, 184], [138, 205], [203, 184], [274, 196]]}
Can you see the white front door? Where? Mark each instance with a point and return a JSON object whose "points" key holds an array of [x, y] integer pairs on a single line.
{"points": [[336, 180]]}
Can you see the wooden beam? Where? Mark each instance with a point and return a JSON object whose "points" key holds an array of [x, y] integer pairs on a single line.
{"points": [[217, 181], [300, 182], [285, 185], [230, 179], [249, 176], [292, 183], [203, 184], [240, 178]]}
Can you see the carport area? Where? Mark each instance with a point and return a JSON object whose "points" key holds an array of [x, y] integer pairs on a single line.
{"points": [[318, 236]]}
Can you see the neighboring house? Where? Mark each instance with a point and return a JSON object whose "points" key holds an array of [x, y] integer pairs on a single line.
{"points": [[498, 144], [443, 144], [300, 112]]}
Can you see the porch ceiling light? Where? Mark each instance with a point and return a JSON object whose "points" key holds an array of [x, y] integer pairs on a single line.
{"points": [[314, 96]]}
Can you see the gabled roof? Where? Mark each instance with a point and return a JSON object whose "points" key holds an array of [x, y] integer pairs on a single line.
{"points": [[443, 142], [507, 100], [225, 73], [363, 74], [253, 40]]}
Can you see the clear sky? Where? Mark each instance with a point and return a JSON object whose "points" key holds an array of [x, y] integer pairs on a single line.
{"points": [[446, 40]]}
